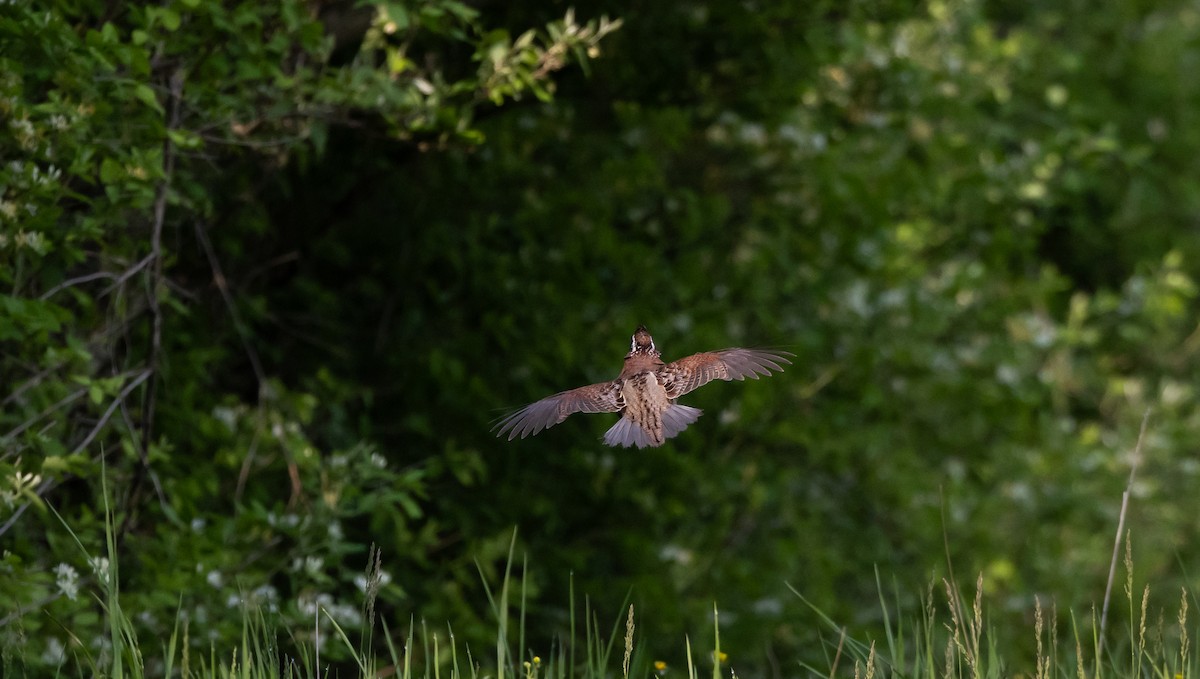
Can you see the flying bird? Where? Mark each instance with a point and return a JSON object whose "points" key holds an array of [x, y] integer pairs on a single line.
{"points": [[644, 393]]}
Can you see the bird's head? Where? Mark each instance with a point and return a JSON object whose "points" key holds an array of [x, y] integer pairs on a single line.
{"points": [[642, 344]]}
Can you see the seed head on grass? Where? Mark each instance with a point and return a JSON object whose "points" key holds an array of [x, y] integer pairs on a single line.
{"points": [[628, 642], [1043, 661], [1054, 633], [965, 632], [1079, 673], [374, 580], [1142, 622], [1183, 635]]}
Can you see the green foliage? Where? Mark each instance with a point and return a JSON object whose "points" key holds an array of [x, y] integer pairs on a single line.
{"points": [[936, 216], [135, 138], [948, 636], [944, 214], [282, 269]]}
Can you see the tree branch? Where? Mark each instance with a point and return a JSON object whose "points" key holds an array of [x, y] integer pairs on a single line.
{"points": [[156, 276], [223, 288], [133, 496], [142, 377], [76, 281], [87, 440], [64, 401], [129, 273]]}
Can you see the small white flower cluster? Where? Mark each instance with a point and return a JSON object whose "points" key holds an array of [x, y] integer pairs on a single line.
{"points": [[268, 595], [286, 521], [51, 175], [344, 614], [67, 580], [676, 554], [227, 416], [215, 579], [342, 461], [285, 430], [360, 581], [19, 484], [265, 597], [23, 130], [310, 565], [24, 176], [99, 566], [55, 653], [27, 239]]}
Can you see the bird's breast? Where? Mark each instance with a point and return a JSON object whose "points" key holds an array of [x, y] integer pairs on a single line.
{"points": [[644, 397]]}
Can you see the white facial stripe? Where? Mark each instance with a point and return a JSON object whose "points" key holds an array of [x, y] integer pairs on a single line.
{"points": [[633, 345]]}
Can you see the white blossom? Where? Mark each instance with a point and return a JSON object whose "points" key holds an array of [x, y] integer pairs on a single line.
{"points": [[99, 565], [55, 653], [67, 580]]}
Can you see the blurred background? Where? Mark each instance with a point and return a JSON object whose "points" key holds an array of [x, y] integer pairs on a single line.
{"points": [[297, 259]]}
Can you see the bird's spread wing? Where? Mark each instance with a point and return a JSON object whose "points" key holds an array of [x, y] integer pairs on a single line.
{"points": [[695, 371], [594, 398]]}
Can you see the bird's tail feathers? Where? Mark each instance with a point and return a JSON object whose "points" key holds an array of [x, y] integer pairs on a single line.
{"points": [[677, 418], [626, 432]]}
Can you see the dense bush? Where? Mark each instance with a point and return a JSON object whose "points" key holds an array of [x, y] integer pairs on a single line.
{"points": [[284, 294], [138, 143]]}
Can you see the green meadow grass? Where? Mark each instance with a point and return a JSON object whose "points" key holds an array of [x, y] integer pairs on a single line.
{"points": [[949, 638]]}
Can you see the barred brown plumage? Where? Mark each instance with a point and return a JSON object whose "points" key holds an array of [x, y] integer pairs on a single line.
{"points": [[644, 393]]}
